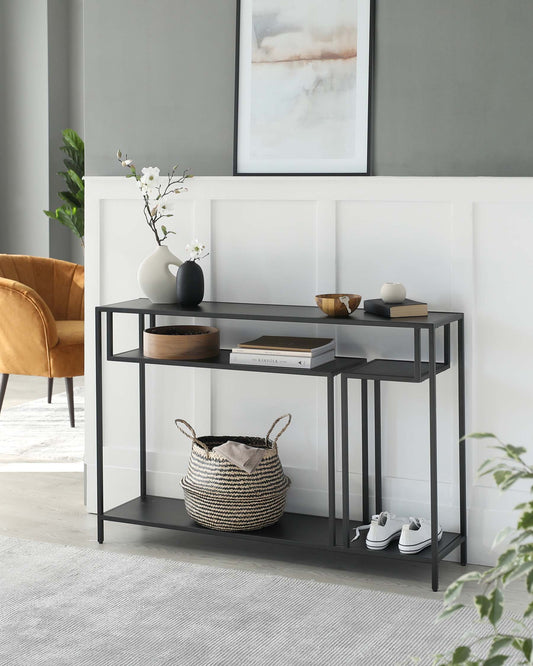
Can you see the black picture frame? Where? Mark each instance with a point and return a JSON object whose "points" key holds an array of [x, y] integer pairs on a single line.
{"points": [[369, 119]]}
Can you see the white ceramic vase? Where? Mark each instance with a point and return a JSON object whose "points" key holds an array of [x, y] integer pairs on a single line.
{"points": [[392, 292], [155, 278]]}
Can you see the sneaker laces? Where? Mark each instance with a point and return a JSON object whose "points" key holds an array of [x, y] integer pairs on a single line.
{"points": [[377, 519], [414, 523]]}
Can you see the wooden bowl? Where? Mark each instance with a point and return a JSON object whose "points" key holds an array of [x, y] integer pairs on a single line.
{"points": [[181, 342], [338, 305]]}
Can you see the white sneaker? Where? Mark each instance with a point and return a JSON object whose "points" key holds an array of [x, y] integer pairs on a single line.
{"points": [[416, 536], [384, 528]]}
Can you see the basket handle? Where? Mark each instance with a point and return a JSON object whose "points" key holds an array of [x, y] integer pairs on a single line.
{"points": [[192, 436], [275, 440]]}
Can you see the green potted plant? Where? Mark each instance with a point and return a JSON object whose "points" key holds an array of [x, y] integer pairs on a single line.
{"points": [[71, 213], [514, 564]]}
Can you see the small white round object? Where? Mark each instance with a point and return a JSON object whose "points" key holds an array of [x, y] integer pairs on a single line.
{"points": [[392, 292]]}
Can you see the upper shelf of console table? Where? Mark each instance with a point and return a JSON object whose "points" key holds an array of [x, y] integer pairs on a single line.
{"points": [[302, 314]]}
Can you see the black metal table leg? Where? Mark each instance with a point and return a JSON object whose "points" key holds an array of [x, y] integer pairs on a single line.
{"points": [[377, 445], [142, 410], [462, 433], [364, 451], [331, 460], [109, 336], [433, 461], [344, 464], [417, 355], [99, 429], [446, 345]]}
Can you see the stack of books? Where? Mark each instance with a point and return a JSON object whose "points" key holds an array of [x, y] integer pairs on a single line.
{"points": [[408, 308], [284, 352]]}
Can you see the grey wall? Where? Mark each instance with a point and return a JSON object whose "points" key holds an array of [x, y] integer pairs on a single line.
{"points": [[75, 73], [24, 128], [65, 108], [3, 102], [40, 94], [454, 88], [159, 83], [453, 85], [58, 116]]}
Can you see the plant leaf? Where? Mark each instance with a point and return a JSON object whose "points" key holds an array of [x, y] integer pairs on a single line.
{"points": [[529, 610], [71, 138], [515, 452], [529, 582], [527, 646], [69, 198], [496, 609], [499, 643], [518, 572], [502, 535], [483, 605], [75, 179], [455, 588], [460, 654], [507, 557], [526, 520], [522, 536], [498, 660], [449, 611]]}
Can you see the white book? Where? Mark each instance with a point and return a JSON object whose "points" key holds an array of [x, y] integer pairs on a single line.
{"points": [[278, 352], [291, 361]]}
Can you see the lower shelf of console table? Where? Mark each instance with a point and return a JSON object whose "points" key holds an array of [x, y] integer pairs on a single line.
{"points": [[294, 529]]}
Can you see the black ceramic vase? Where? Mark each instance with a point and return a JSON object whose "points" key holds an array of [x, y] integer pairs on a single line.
{"points": [[190, 284]]}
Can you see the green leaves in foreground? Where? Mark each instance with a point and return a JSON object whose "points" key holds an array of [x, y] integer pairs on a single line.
{"points": [[514, 564]]}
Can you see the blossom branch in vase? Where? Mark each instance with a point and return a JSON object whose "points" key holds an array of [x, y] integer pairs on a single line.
{"points": [[194, 250], [157, 200]]}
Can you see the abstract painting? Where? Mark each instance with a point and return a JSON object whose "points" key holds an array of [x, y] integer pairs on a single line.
{"points": [[302, 87]]}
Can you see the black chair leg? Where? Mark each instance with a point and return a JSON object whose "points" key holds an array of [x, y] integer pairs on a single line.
{"points": [[50, 388], [3, 387], [70, 398]]}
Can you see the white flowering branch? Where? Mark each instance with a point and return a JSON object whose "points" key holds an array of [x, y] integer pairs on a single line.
{"points": [[157, 200], [194, 250]]}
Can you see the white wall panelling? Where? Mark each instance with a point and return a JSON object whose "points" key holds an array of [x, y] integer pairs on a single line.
{"points": [[461, 244]]}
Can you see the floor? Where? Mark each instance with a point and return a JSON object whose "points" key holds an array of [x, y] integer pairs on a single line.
{"points": [[48, 506]]}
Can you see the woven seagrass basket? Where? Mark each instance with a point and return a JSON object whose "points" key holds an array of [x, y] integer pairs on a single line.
{"points": [[221, 496]]}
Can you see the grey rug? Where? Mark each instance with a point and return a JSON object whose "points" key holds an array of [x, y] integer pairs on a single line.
{"points": [[36, 431], [66, 606]]}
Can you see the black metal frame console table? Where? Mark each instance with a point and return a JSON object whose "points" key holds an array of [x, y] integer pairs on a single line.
{"points": [[294, 529]]}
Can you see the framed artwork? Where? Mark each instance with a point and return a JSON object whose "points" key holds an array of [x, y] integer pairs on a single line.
{"points": [[302, 91]]}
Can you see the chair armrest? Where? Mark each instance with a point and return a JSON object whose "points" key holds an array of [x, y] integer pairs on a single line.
{"points": [[27, 330]]}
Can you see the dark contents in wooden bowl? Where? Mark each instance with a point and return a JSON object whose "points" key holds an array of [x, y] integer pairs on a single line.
{"points": [[179, 330]]}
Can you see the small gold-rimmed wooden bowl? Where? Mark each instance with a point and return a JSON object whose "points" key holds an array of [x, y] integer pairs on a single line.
{"points": [[338, 305], [181, 342]]}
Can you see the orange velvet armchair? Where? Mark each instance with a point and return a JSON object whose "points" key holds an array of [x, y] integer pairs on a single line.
{"points": [[41, 321]]}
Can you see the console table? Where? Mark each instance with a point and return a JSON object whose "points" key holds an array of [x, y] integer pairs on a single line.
{"points": [[320, 532]]}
